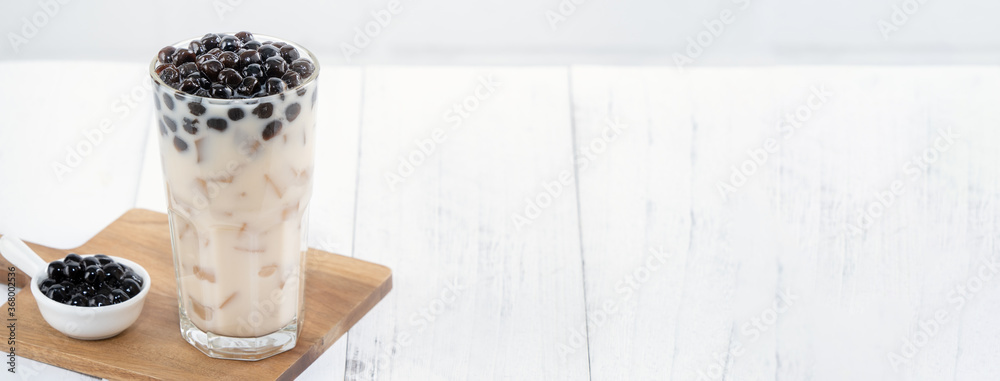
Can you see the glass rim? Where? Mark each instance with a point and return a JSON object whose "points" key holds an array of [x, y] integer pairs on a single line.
{"points": [[183, 44]]}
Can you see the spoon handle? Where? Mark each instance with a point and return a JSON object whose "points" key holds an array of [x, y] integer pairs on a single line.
{"points": [[20, 255]]}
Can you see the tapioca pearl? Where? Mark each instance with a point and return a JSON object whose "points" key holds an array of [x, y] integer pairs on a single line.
{"points": [[230, 44], [170, 76], [118, 296], [244, 36], [303, 66], [200, 80], [275, 66], [161, 67], [220, 91], [163, 129], [289, 53], [271, 129], [171, 124], [189, 86], [217, 123], [203, 93], [301, 91], [211, 68], [166, 55], [274, 86], [315, 92], [156, 101], [253, 70], [267, 51], [200, 60], [178, 96], [252, 45], [263, 110], [292, 112], [183, 56], [180, 144], [196, 47], [211, 41], [229, 59], [191, 126], [247, 87], [187, 69], [197, 109], [291, 79], [167, 101], [235, 114], [230, 77]]}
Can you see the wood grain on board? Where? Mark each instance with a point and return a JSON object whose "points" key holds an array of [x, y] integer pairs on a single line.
{"points": [[339, 291]]}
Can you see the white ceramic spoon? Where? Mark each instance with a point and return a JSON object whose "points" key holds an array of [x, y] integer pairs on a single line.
{"points": [[84, 323]]}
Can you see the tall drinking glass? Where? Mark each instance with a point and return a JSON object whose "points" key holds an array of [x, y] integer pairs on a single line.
{"points": [[238, 176]]}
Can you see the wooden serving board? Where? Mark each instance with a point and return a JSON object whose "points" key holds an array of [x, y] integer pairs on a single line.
{"points": [[339, 291]]}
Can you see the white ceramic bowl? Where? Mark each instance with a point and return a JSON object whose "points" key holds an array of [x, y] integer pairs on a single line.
{"points": [[84, 323]]}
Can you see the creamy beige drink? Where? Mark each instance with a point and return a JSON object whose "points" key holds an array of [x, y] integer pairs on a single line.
{"points": [[238, 166]]}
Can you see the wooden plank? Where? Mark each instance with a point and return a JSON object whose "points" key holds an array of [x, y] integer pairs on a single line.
{"points": [[633, 145], [331, 215], [519, 291], [691, 129], [729, 274], [338, 124], [339, 291], [91, 148], [864, 292], [974, 169], [828, 167]]}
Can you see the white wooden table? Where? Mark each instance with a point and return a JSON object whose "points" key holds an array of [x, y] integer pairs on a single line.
{"points": [[608, 223]]}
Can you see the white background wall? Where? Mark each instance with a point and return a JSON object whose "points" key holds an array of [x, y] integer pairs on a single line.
{"points": [[518, 32]]}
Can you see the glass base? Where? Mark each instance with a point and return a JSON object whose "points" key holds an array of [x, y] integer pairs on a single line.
{"points": [[239, 348]]}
